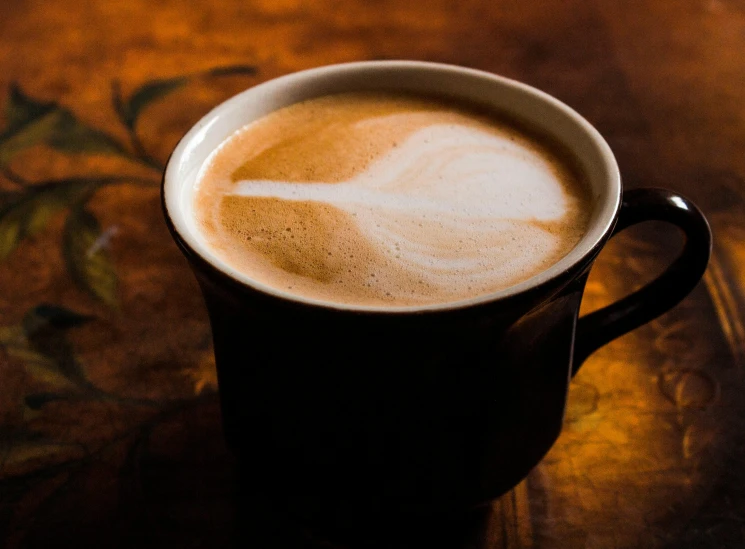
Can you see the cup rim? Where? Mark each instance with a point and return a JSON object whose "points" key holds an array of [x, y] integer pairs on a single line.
{"points": [[588, 245]]}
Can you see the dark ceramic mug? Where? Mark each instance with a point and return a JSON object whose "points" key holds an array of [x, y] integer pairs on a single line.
{"points": [[435, 407]]}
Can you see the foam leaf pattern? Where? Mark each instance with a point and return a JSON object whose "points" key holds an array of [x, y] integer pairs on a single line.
{"points": [[443, 200]]}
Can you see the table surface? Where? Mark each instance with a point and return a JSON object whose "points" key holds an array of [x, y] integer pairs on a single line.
{"points": [[109, 419]]}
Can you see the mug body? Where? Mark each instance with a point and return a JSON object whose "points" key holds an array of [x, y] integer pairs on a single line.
{"points": [[434, 407]]}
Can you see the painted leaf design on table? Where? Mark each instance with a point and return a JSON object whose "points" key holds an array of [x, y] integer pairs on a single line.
{"points": [[35, 401], [34, 132], [55, 316], [71, 135], [21, 445], [10, 438], [29, 212], [87, 258], [14, 342], [129, 110], [41, 343], [39, 366], [21, 109], [45, 327], [32, 122], [6, 197], [231, 70], [27, 121]]}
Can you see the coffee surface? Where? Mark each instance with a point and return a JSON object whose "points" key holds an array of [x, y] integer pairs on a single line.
{"points": [[389, 199]]}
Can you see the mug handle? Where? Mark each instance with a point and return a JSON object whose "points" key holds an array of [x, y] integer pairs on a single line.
{"points": [[664, 292]]}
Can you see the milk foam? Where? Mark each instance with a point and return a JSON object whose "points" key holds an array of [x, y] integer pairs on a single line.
{"points": [[438, 204], [444, 180]]}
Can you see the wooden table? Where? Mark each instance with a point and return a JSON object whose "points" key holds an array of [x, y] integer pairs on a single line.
{"points": [[109, 419]]}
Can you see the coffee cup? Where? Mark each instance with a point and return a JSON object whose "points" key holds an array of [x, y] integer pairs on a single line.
{"points": [[414, 407]]}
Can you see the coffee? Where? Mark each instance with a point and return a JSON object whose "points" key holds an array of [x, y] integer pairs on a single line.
{"points": [[375, 198]]}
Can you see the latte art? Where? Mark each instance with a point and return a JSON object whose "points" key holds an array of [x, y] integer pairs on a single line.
{"points": [[440, 170], [441, 201], [442, 204]]}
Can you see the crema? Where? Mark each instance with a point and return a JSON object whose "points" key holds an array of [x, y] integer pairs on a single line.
{"points": [[377, 198]]}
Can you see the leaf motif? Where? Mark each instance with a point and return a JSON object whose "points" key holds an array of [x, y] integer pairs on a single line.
{"points": [[14, 341], [8, 196], [25, 452], [71, 135], [154, 90], [40, 366], [20, 108], [46, 372], [35, 401], [40, 342], [233, 69], [87, 258], [151, 91], [9, 335], [32, 122], [30, 211], [11, 434], [34, 131], [18, 447], [44, 328], [54, 315]]}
